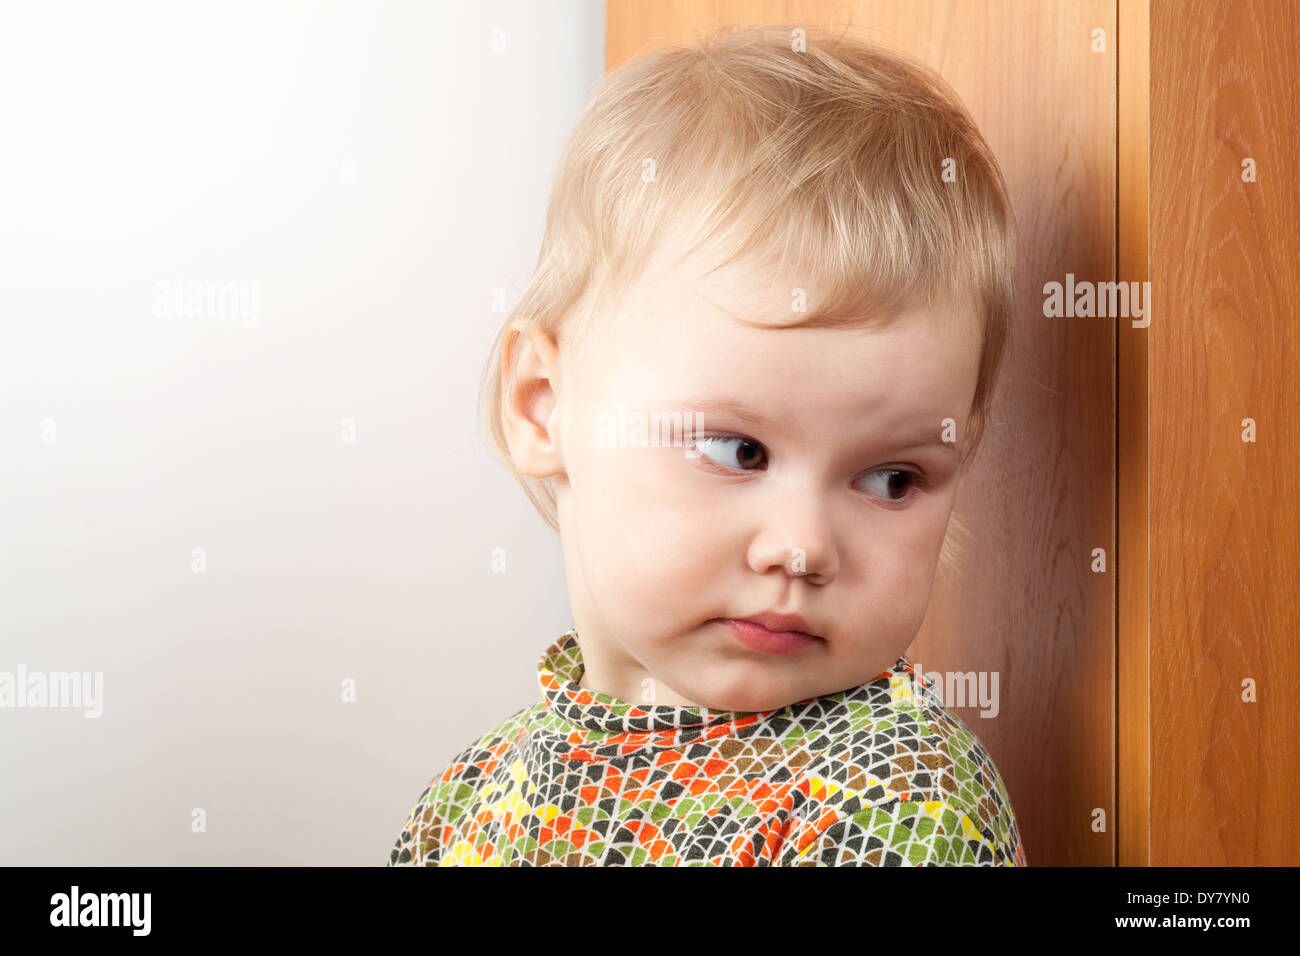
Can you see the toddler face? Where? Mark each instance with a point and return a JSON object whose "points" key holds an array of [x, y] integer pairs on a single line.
{"points": [[818, 485]]}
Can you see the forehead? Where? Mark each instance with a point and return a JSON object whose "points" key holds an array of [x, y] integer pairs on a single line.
{"points": [[679, 335]]}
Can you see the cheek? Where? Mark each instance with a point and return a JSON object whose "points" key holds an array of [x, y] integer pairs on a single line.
{"points": [[650, 545], [899, 561]]}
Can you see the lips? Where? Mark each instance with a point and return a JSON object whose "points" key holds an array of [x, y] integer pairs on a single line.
{"points": [[757, 636], [791, 624]]}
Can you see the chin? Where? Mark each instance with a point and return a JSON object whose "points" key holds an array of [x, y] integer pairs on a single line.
{"points": [[749, 702]]}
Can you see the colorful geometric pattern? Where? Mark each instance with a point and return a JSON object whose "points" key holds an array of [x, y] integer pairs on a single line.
{"points": [[879, 775]]}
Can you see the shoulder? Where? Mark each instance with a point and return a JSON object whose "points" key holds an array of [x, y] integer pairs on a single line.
{"points": [[448, 799], [902, 781], [901, 833]]}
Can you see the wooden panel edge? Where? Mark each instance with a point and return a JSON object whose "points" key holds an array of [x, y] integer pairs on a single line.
{"points": [[1132, 630]]}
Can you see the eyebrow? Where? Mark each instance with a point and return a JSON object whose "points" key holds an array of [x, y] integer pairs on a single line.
{"points": [[920, 438]]}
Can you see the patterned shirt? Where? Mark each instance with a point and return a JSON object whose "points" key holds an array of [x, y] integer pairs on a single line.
{"points": [[878, 775]]}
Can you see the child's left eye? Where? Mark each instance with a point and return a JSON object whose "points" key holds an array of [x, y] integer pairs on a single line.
{"points": [[747, 456]]}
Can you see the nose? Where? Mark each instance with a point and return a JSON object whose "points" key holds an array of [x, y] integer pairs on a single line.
{"points": [[797, 535]]}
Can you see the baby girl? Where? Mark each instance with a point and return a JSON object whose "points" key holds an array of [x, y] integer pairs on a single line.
{"points": [[743, 386]]}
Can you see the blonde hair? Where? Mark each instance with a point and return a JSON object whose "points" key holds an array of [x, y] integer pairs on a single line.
{"points": [[839, 160]]}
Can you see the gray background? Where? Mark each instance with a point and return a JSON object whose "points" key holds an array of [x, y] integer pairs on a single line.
{"points": [[377, 170]]}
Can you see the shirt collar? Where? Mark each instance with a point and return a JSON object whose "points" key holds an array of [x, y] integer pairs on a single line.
{"points": [[567, 703], [558, 672]]}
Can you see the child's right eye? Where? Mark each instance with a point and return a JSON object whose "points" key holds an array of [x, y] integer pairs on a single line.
{"points": [[740, 454]]}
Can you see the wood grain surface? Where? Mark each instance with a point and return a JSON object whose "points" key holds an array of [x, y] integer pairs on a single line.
{"points": [[1225, 513]]}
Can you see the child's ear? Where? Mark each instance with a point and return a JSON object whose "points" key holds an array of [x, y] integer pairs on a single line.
{"points": [[530, 367]]}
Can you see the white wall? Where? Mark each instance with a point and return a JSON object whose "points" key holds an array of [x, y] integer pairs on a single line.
{"points": [[367, 173]]}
